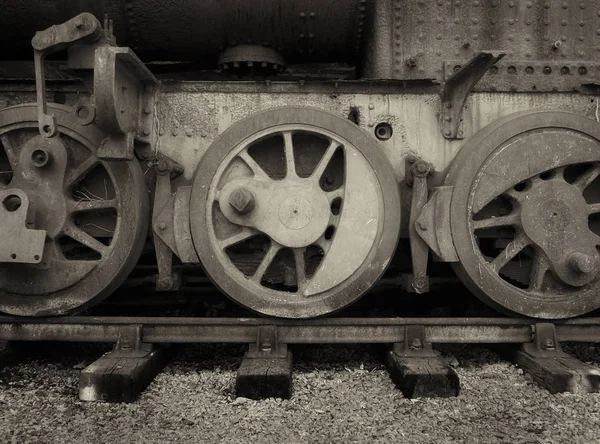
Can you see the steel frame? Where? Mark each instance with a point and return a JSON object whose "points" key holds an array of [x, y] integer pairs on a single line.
{"points": [[316, 331]]}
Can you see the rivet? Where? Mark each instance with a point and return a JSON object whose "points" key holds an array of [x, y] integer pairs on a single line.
{"points": [[189, 132], [371, 106]]}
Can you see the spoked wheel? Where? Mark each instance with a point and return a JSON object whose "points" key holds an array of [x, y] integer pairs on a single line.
{"points": [[525, 214], [95, 214], [295, 212]]}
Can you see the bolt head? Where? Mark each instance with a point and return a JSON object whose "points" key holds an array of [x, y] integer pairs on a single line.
{"points": [[162, 226], [162, 166], [422, 168], [164, 283], [582, 263], [242, 200]]}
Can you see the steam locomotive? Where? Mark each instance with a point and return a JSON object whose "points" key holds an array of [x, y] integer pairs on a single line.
{"points": [[294, 152]]}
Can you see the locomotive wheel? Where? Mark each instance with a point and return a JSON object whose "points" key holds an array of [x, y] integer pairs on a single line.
{"points": [[525, 214], [295, 212], [95, 214]]}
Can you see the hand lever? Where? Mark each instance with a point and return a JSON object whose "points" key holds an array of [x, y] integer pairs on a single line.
{"points": [[84, 27]]}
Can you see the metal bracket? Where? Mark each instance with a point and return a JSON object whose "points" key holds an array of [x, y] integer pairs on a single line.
{"points": [[84, 27], [419, 170], [414, 344], [267, 344], [172, 225], [458, 87], [123, 88], [433, 224], [129, 343], [124, 91], [544, 343], [19, 243], [166, 169]]}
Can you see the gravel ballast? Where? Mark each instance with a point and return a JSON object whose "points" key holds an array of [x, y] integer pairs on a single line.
{"points": [[341, 394]]}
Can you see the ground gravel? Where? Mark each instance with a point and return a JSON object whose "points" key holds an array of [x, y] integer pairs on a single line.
{"points": [[341, 394]]}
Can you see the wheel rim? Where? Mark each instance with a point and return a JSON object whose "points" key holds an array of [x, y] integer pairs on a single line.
{"points": [[281, 208], [94, 212], [523, 214]]}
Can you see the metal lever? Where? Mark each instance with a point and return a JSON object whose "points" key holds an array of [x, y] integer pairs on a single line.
{"points": [[84, 27]]}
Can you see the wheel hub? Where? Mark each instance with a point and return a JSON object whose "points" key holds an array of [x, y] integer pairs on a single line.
{"points": [[293, 212], [554, 216]]}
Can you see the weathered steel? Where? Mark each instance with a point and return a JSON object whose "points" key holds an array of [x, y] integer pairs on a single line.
{"points": [[413, 39], [85, 257], [20, 244], [458, 87], [84, 27], [419, 250], [320, 181], [434, 224], [512, 182], [310, 29], [331, 330]]}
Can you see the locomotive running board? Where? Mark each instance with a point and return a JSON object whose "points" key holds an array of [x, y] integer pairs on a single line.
{"points": [[266, 369]]}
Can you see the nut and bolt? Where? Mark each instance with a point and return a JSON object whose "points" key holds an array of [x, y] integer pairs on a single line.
{"points": [[422, 168], [164, 283], [549, 343], [162, 166], [581, 263], [40, 157], [242, 200], [416, 344]]}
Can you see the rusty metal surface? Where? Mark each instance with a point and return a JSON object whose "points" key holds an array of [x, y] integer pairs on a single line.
{"points": [[192, 30], [458, 87], [333, 330], [94, 214], [522, 214], [422, 35], [21, 244]]}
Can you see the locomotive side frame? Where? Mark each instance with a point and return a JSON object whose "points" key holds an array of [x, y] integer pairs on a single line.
{"points": [[201, 111]]}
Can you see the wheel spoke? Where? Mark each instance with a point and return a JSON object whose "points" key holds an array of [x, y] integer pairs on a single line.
{"points": [[82, 237], [255, 167], [512, 249], [84, 168], [300, 267], [246, 233], [266, 261], [90, 205], [501, 221], [538, 270], [588, 177], [10, 150], [323, 244], [514, 194], [320, 169], [289, 154], [333, 195]]}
